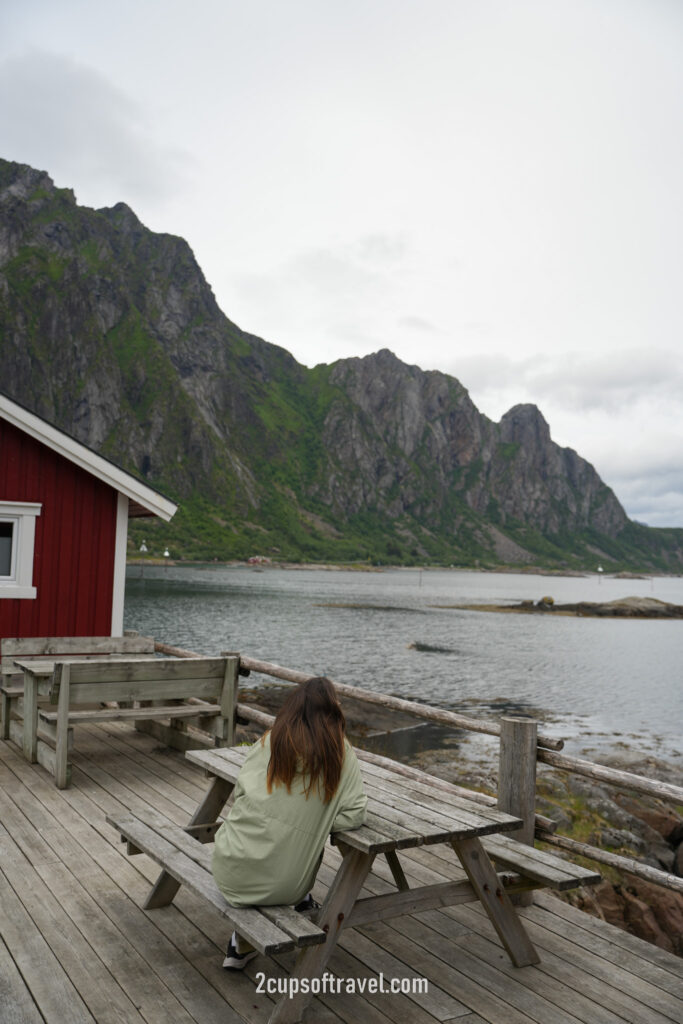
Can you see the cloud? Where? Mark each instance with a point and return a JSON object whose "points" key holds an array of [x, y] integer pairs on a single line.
{"points": [[69, 119], [322, 299], [418, 323], [579, 382]]}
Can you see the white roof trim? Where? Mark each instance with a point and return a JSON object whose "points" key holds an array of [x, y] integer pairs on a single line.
{"points": [[84, 457]]}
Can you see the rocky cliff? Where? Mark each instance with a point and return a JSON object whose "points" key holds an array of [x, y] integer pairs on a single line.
{"points": [[111, 331]]}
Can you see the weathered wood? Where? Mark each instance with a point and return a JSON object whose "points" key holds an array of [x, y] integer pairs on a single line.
{"points": [[496, 902], [615, 860], [203, 833], [46, 736], [614, 776], [62, 677], [427, 897], [312, 960], [73, 646], [396, 870], [517, 779], [30, 735], [228, 699], [462, 808], [47, 732], [397, 703], [45, 750], [538, 865], [433, 825], [123, 714], [652, 1005], [39, 966], [572, 919], [303, 931], [16, 1004], [207, 812], [9, 697], [260, 930], [134, 669], [164, 684], [517, 773], [175, 652], [170, 737]]}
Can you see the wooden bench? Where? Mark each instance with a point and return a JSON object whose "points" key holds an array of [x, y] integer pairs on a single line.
{"points": [[271, 930], [52, 648], [197, 691]]}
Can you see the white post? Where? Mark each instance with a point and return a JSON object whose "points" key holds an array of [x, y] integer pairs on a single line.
{"points": [[119, 588]]}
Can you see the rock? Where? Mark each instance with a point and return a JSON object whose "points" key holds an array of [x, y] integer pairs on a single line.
{"points": [[641, 920], [675, 837], [678, 861], [619, 839], [658, 817], [644, 910]]}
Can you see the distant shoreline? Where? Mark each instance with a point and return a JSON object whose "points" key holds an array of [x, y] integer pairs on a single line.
{"points": [[360, 567]]}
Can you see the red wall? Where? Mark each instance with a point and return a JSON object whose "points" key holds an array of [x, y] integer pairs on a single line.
{"points": [[73, 565]]}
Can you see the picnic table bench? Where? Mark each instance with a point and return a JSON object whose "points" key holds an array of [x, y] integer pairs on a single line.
{"points": [[184, 691], [54, 648], [401, 814]]}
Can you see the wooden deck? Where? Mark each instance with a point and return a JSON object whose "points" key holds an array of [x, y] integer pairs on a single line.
{"points": [[76, 947]]}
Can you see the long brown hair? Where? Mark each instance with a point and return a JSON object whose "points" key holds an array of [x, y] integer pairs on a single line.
{"points": [[308, 738]]}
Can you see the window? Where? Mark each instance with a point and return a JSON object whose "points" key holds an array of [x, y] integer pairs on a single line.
{"points": [[7, 532], [17, 537]]}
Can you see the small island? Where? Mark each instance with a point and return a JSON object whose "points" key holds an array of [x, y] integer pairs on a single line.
{"points": [[622, 608]]}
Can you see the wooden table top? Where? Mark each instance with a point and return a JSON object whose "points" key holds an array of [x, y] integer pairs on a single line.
{"points": [[401, 813]]}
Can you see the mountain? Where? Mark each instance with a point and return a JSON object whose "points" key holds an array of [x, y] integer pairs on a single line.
{"points": [[111, 332]]}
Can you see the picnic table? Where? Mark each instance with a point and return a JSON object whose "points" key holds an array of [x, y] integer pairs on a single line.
{"points": [[401, 814], [137, 687]]}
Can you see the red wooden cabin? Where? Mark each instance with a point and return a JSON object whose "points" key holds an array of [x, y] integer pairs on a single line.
{"points": [[64, 514]]}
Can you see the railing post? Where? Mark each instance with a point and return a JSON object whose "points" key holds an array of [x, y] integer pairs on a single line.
{"points": [[517, 774], [517, 781], [228, 699]]}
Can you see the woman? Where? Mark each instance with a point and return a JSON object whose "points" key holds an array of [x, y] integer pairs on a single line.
{"points": [[298, 783]]}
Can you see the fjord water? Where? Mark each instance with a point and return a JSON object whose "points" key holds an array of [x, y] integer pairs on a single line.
{"points": [[602, 684]]}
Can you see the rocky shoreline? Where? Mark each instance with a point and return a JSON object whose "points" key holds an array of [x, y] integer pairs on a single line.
{"points": [[620, 821]]}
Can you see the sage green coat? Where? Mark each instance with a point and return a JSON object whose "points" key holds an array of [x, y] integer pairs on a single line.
{"points": [[268, 849]]}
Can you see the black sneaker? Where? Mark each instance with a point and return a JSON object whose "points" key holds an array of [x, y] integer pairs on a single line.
{"points": [[235, 961], [307, 904]]}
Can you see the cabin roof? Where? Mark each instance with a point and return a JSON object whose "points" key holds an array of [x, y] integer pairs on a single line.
{"points": [[144, 500]]}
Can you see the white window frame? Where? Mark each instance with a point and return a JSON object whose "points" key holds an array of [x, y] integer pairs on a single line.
{"points": [[22, 515]]}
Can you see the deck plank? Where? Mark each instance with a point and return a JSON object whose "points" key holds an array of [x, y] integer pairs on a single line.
{"points": [[616, 953], [583, 971], [51, 987], [550, 987], [16, 1003], [75, 944], [616, 937]]}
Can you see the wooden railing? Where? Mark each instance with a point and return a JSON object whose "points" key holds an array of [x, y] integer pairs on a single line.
{"points": [[521, 750]]}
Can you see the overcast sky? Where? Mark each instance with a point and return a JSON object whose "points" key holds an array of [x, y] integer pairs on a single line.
{"points": [[492, 188]]}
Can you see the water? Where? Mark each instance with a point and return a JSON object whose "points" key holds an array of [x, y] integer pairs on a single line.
{"points": [[598, 683]]}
